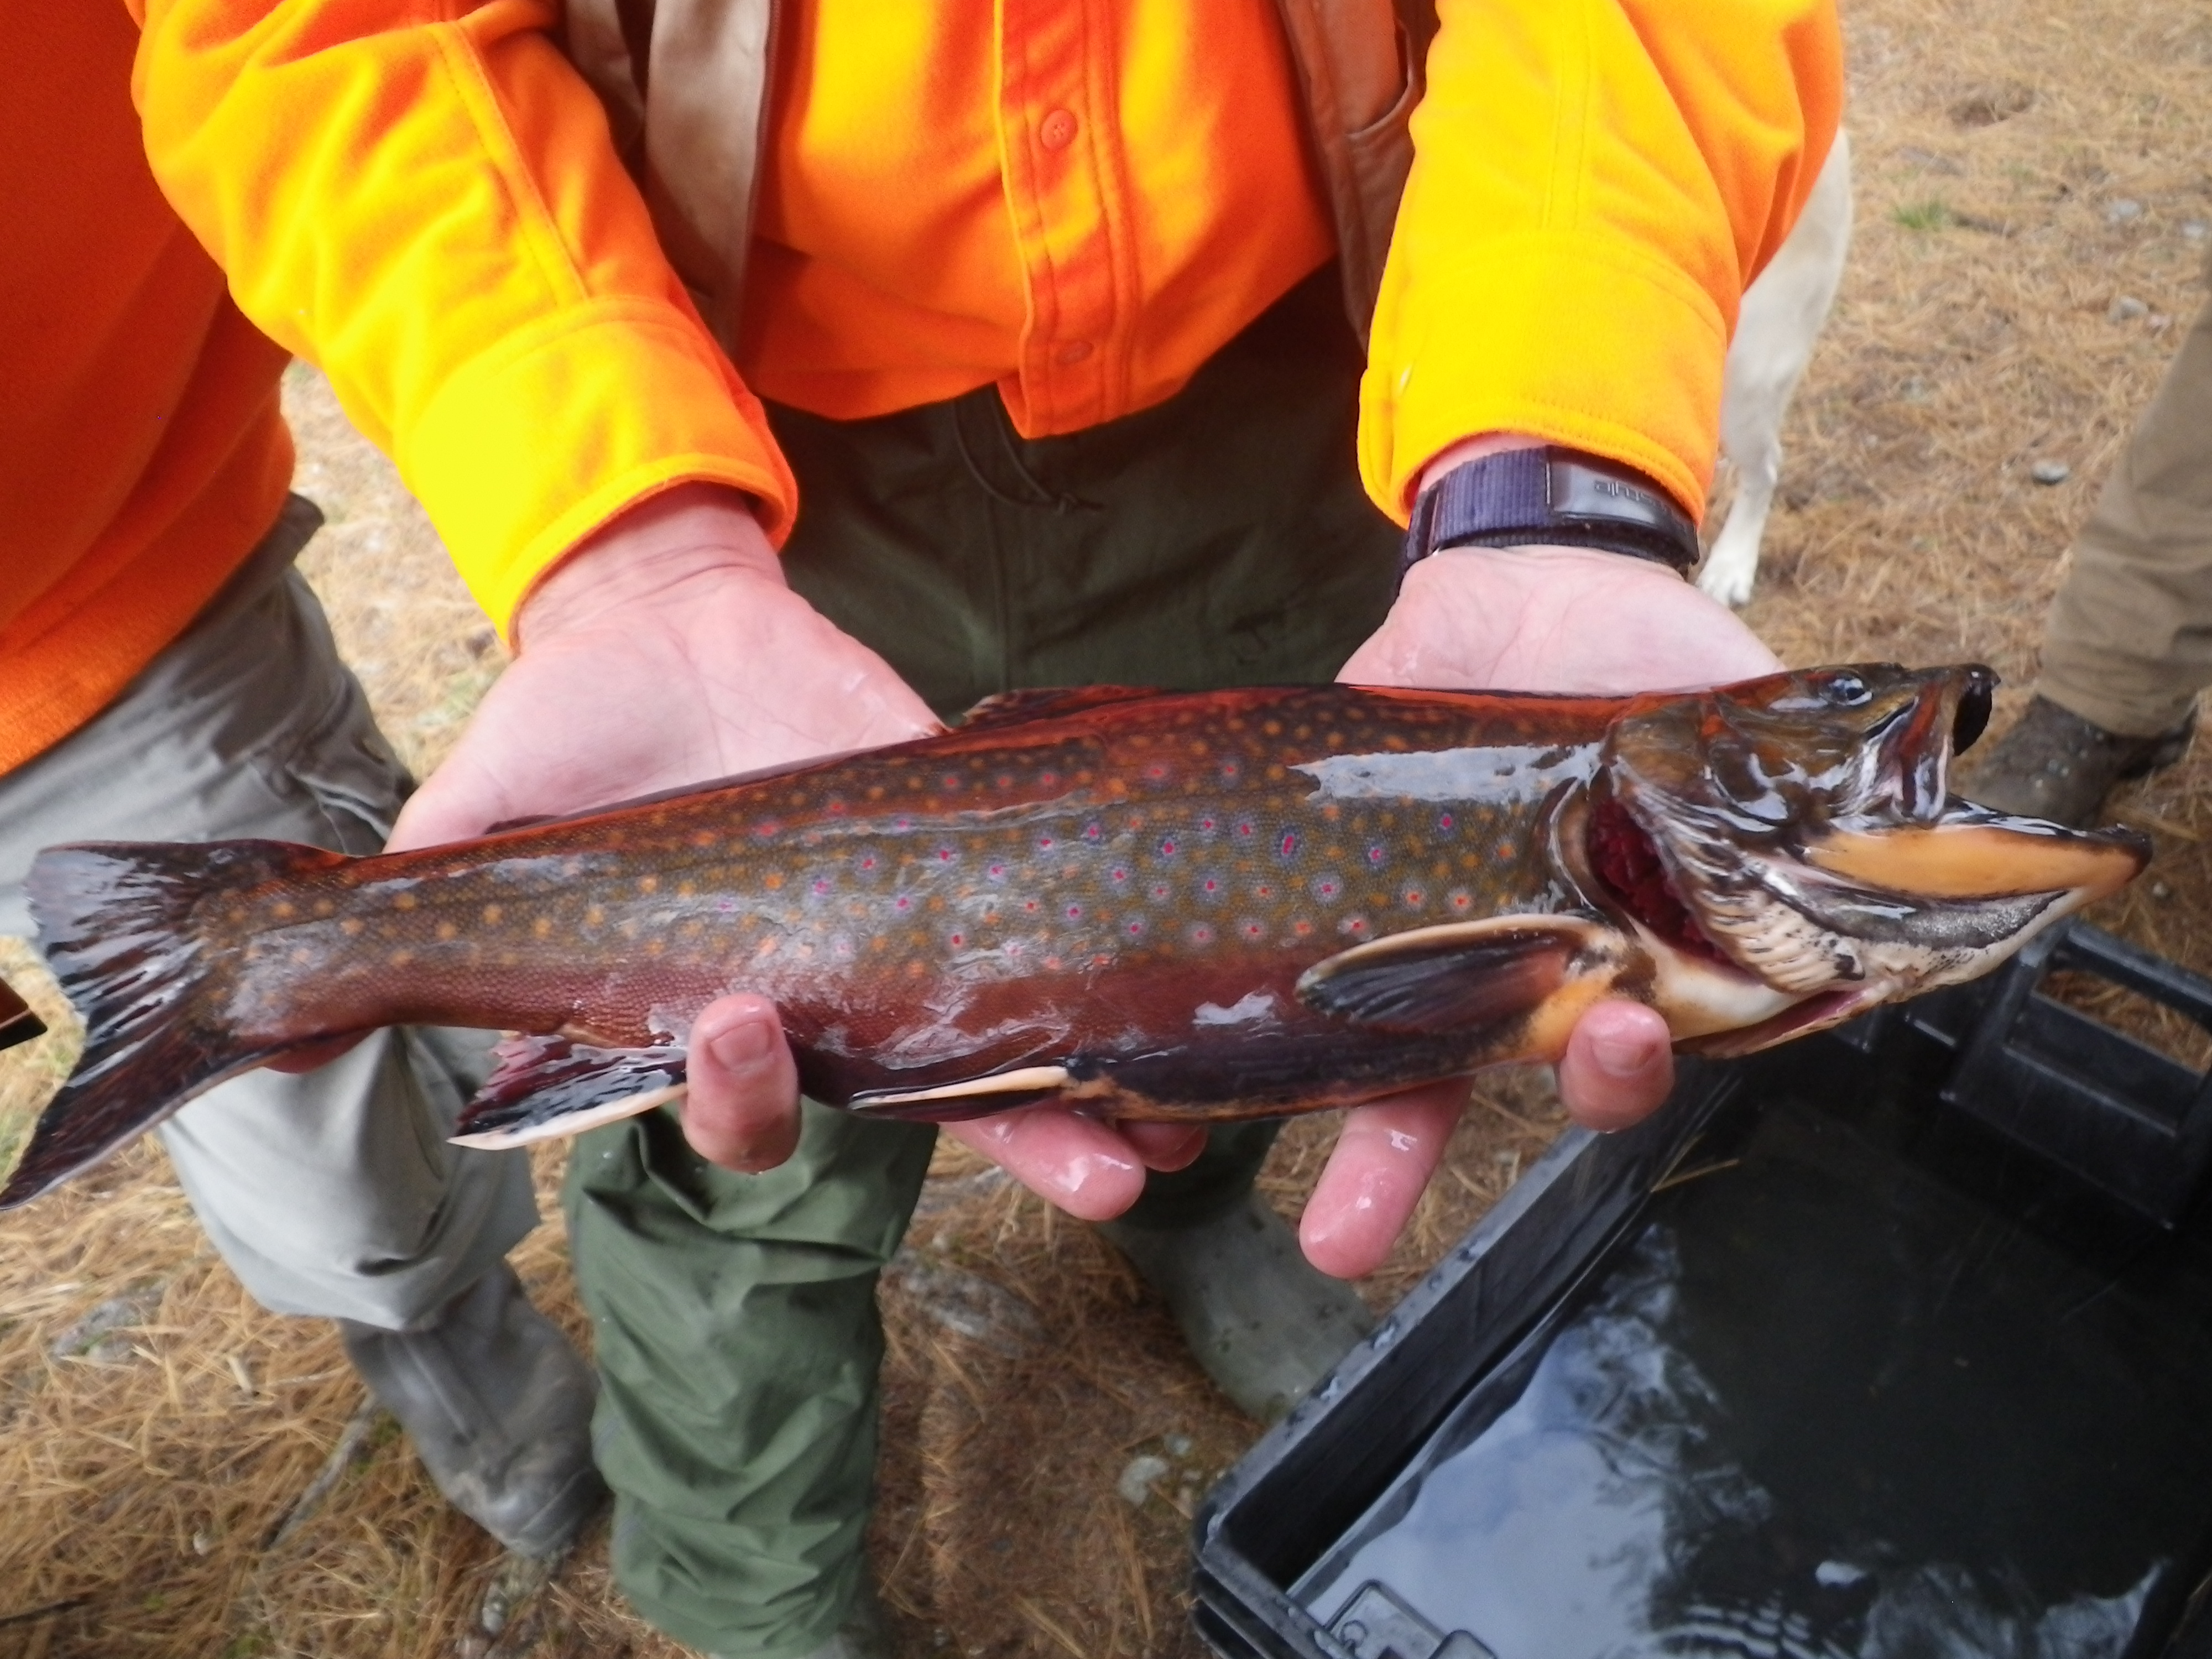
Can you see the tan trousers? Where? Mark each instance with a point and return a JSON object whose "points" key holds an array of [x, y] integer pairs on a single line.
{"points": [[2129, 644], [331, 1191]]}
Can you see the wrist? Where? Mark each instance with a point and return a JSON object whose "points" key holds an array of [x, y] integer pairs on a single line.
{"points": [[647, 553], [1514, 493]]}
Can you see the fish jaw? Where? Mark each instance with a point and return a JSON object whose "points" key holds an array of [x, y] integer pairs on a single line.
{"points": [[1877, 915], [1975, 854], [1798, 829]]}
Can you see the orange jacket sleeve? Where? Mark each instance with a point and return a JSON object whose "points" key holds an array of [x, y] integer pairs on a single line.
{"points": [[424, 200], [1594, 182]]}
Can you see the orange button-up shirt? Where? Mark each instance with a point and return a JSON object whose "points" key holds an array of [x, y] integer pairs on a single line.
{"points": [[1077, 201], [1078, 204]]}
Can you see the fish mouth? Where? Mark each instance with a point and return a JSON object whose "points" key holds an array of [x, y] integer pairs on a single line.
{"points": [[1847, 916], [1798, 830]]}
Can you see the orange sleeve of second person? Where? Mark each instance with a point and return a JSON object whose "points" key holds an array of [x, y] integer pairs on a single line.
{"points": [[424, 202], [1595, 183]]}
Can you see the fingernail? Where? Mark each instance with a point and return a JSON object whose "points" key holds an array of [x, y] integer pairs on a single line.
{"points": [[1620, 1055], [743, 1046]]}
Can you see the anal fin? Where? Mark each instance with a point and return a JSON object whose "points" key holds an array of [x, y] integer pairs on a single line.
{"points": [[950, 1102], [1461, 976], [544, 1086]]}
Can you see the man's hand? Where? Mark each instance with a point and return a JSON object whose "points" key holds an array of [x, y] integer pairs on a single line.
{"points": [[668, 650], [1522, 619], [665, 650]]}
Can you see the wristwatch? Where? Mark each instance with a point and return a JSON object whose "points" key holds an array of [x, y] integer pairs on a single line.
{"points": [[1554, 496]]}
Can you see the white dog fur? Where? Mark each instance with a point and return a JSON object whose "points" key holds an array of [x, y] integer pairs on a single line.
{"points": [[1781, 317]]}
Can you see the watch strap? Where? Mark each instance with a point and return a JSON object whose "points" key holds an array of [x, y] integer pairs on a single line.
{"points": [[1555, 496]]}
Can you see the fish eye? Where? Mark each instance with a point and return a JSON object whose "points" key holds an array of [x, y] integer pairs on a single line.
{"points": [[1845, 690]]}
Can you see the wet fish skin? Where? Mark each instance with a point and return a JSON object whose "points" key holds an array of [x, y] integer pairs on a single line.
{"points": [[1208, 905], [921, 910]]}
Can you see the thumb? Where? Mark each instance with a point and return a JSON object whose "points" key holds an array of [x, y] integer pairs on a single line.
{"points": [[741, 1109]]}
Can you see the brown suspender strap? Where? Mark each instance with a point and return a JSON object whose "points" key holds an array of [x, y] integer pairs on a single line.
{"points": [[693, 125]]}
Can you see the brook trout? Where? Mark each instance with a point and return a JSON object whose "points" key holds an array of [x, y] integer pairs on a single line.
{"points": [[1217, 905]]}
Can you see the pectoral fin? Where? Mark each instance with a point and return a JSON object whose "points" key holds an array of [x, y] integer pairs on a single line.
{"points": [[1464, 975], [545, 1086]]}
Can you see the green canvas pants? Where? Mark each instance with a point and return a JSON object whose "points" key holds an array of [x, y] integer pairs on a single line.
{"points": [[1219, 538]]}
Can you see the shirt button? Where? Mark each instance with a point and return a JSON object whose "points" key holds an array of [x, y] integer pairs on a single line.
{"points": [[1073, 352], [1057, 129]]}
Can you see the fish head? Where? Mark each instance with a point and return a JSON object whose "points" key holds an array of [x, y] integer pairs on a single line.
{"points": [[1797, 832]]}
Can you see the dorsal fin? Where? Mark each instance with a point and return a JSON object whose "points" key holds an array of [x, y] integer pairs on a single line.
{"points": [[1041, 702]]}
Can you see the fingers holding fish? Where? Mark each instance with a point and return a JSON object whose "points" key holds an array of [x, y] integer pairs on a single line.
{"points": [[1085, 1167], [1374, 1176], [1166, 1147], [1618, 1066], [741, 1109]]}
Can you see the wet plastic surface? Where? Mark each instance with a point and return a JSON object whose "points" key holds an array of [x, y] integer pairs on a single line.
{"points": [[1819, 1366]]}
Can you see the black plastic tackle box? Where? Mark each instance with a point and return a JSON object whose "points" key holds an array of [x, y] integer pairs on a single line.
{"points": [[1894, 1343]]}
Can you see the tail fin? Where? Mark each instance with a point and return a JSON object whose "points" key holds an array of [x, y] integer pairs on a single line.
{"points": [[117, 921], [17, 1023]]}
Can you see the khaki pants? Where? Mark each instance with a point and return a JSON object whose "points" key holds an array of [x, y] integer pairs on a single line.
{"points": [[334, 1191], [2129, 644], [1220, 539]]}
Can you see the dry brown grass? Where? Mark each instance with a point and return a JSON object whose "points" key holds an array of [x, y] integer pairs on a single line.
{"points": [[147, 1476]]}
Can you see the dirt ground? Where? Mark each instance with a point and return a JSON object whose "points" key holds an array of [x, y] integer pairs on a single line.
{"points": [[186, 1475]]}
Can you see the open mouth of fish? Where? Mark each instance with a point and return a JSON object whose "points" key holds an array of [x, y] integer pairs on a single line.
{"points": [[1757, 934]]}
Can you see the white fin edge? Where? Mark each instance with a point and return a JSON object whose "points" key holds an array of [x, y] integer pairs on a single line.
{"points": [[1027, 1078], [571, 1124]]}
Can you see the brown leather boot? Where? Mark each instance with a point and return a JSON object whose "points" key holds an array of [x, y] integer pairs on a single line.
{"points": [[2055, 765]]}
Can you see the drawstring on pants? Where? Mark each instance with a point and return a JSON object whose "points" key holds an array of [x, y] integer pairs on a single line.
{"points": [[1060, 500]]}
